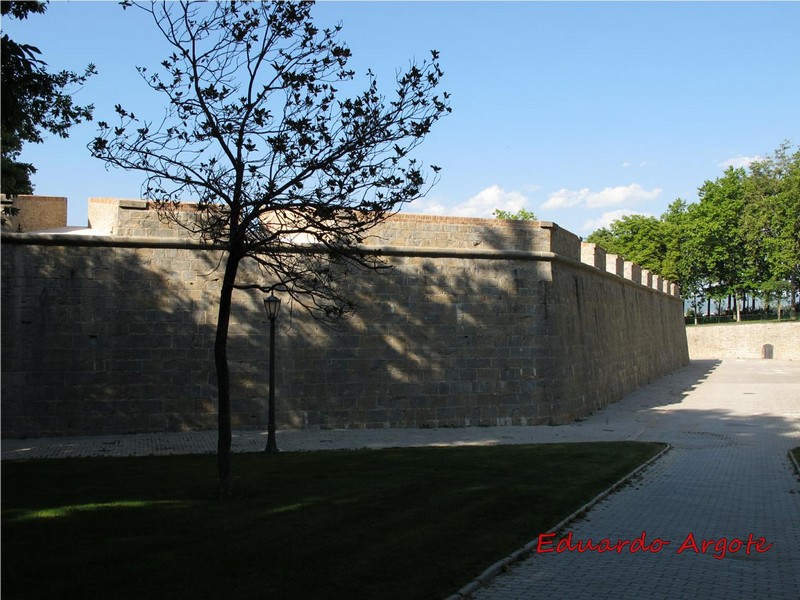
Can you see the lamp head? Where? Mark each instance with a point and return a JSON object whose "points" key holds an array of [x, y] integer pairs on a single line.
{"points": [[271, 305]]}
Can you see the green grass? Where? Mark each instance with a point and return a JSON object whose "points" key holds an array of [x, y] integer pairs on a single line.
{"points": [[796, 453], [397, 523]]}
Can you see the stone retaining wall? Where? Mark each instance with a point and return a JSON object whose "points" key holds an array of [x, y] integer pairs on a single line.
{"points": [[480, 322], [744, 340]]}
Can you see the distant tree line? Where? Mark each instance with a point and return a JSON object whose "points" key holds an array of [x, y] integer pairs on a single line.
{"points": [[739, 243]]}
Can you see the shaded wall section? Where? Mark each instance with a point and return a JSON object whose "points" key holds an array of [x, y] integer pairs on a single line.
{"points": [[480, 322], [32, 213]]}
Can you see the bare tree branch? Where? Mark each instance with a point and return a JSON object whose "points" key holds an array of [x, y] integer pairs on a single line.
{"points": [[284, 169]]}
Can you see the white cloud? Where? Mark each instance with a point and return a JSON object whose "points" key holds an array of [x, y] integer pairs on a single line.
{"points": [[610, 196], [426, 206], [484, 203], [739, 161], [565, 198], [606, 218], [621, 194], [628, 164]]}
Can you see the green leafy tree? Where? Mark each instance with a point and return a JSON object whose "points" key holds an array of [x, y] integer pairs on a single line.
{"points": [[690, 264], [742, 237], [681, 263], [638, 238], [605, 239], [34, 102], [715, 237], [674, 224], [286, 171], [771, 222], [521, 215]]}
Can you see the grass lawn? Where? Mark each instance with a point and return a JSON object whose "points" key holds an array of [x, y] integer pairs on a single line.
{"points": [[398, 523]]}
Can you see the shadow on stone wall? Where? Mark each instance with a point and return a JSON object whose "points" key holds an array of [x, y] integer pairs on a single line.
{"points": [[432, 344], [101, 340], [118, 340]]}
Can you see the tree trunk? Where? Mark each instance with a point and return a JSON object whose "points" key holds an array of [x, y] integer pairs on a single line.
{"points": [[738, 307], [224, 380]]}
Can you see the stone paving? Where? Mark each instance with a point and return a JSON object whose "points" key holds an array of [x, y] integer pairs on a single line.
{"points": [[727, 476], [730, 424]]}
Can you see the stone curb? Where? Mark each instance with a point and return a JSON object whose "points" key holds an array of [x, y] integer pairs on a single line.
{"points": [[465, 593]]}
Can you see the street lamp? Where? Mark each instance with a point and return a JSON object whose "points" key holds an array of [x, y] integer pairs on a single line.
{"points": [[271, 305]]}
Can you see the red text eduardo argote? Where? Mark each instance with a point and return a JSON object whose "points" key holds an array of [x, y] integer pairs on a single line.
{"points": [[719, 547]]}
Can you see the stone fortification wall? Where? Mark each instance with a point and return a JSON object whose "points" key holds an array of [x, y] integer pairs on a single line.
{"points": [[744, 340], [480, 322], [33, 213]]}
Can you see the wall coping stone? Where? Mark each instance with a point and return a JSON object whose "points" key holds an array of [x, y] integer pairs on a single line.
{"points": [[115, 241]]}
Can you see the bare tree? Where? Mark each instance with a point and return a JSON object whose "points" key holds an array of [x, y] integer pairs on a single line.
{"points": [[284, 170]]}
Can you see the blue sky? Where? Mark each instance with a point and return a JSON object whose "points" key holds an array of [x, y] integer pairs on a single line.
{"points": [[577, 111]]}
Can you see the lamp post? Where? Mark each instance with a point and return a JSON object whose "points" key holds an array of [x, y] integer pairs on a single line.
{"points": [[271, 305]]}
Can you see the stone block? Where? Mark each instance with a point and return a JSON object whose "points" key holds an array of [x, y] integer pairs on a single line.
{"points": [[632, 272], [593, 255], [615, 264]]}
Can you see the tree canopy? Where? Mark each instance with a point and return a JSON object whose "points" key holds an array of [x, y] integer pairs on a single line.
{"points": [[770, 222], [521, 215], [636, 237], [34, 101], [741, 237], [286, 170]]}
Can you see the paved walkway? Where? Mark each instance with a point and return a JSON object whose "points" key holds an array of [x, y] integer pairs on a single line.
{"points": [[628, 419], [730, 423], [728, 475]]}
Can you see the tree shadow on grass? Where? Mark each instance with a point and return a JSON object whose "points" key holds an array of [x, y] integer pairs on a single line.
{"points": [[412, 523]]}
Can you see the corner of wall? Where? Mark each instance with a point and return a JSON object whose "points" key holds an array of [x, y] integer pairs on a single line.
{"points": [[103, 217], [563, 242]]}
